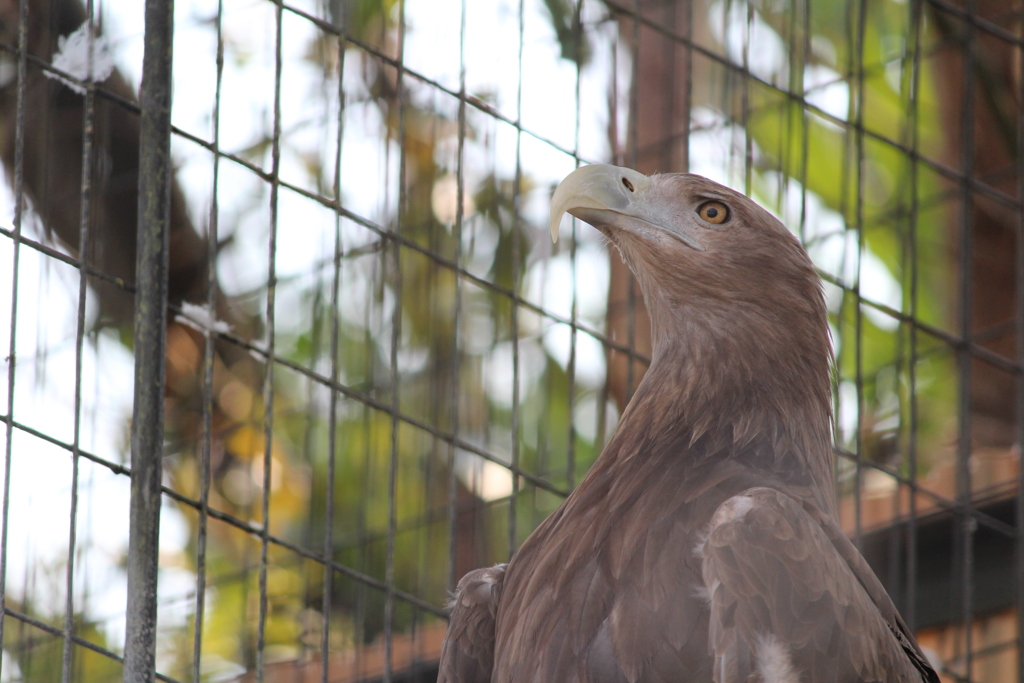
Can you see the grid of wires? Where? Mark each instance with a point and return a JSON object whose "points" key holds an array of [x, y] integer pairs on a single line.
{"points": [[380, 375]]}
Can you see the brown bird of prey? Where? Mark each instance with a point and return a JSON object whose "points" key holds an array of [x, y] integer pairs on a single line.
{"points": [[704, 543]]}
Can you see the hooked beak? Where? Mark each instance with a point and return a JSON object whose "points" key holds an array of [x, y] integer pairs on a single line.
{"points": [[610, 196]]}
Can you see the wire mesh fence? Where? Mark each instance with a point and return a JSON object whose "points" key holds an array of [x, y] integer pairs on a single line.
{"points": [[379, 372]]}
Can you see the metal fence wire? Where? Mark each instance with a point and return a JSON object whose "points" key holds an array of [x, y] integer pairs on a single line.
{"points": [[356, 364]]}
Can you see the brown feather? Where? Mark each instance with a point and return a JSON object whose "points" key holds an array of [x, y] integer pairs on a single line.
{"points": [[703, 543]]}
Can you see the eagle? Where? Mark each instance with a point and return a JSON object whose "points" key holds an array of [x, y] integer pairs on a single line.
{"points": [[704, 543]]}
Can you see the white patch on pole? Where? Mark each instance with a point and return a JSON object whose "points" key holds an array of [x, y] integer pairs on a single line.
{"points": [[72, 57], [201, 319]]}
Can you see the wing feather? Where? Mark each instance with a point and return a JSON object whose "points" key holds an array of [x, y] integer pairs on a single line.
{"points": [[791, 599], [467, 655]]}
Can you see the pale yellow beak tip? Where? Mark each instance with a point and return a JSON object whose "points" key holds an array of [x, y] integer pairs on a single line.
{"points": [[595, 186]]}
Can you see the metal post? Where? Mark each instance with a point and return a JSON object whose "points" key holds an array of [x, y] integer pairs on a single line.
{"points": [[150, 339]]}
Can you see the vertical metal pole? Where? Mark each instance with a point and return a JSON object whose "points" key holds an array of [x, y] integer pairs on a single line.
{"points": [[910, 603], [11, 359], [396, 340], [570, 455], [209, 356], [268, 376], [150, 339], [85, 199], [332, 423], [857, 104], [513, 498], [966, 523], [633, 155], [456, 385], [1018, 565]]}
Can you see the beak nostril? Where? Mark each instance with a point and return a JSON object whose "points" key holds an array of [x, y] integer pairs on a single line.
{"points": [[629, 185]]}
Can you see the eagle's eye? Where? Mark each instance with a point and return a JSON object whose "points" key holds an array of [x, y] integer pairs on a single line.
{"points": [[713, 212]]}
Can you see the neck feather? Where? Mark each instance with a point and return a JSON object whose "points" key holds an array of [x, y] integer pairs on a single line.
{"points": [[718, 391]]}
